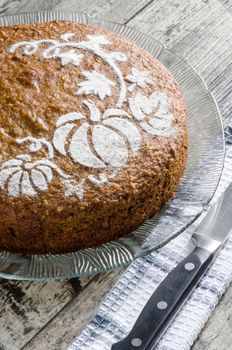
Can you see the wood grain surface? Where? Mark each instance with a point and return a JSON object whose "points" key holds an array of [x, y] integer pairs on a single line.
{"points": [[48, 315]]}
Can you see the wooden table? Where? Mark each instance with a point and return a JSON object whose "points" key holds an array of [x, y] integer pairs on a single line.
{"points": [[48, 315]]}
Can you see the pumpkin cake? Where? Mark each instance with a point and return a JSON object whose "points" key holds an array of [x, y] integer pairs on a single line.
{"points": [[93, 137]]}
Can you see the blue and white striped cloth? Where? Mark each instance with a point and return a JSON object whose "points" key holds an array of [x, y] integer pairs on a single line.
{"points": [[120, 309]]}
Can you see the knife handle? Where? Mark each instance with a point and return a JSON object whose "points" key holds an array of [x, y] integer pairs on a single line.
{"points": [[166, 301]]}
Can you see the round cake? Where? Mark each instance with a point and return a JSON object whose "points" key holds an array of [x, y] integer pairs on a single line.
{"points": [[93, 137]]}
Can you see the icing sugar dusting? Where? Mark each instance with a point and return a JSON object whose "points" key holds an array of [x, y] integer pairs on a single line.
{"points": [[128, 129], [95, 83], [21, 176], [39, 180], [70, 57], [60, 136], [160, 123], [74, 189], [102, 140], [110, 146], [140, 78], [93, 44], [26, 186], [80, 150], [106, 138], [14, 184]]}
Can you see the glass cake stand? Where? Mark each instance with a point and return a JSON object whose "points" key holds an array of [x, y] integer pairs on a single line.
{"points": [[203, 171]]}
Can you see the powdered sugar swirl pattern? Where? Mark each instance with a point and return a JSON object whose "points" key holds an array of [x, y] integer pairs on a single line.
{"points": [[101, 141]]}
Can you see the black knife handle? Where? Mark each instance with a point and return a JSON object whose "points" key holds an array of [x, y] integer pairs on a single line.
{"points": [[166, 301]]}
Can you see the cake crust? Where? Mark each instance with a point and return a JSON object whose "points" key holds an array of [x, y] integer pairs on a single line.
{"points": [[93, 137]]}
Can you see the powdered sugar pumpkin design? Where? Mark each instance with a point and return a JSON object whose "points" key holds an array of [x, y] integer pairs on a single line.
{"points": [[106, 139], [94, 139], [22, 176]]}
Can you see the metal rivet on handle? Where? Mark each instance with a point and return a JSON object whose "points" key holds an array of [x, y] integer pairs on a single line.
{"points": [[162, 305], [136, 342], [189, 266]]}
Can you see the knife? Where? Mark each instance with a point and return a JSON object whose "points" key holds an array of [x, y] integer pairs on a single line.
{"points": [[171, 294]]}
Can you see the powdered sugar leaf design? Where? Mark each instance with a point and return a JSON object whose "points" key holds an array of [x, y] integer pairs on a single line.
{"points": [[160, 123], [93, 44], [140, 78], [96, 83], [70, 57], [141, 105], [22, 176], [109, 133], [159, 127]]}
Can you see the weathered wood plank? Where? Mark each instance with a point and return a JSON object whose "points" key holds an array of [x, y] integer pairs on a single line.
{"points": [[8, 7], [110, 10], [120, 10], [72, 319], [217, 332], [27, 306]]}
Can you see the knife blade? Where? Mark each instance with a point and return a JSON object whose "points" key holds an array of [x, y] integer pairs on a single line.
{"points": [[172, 293]]}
